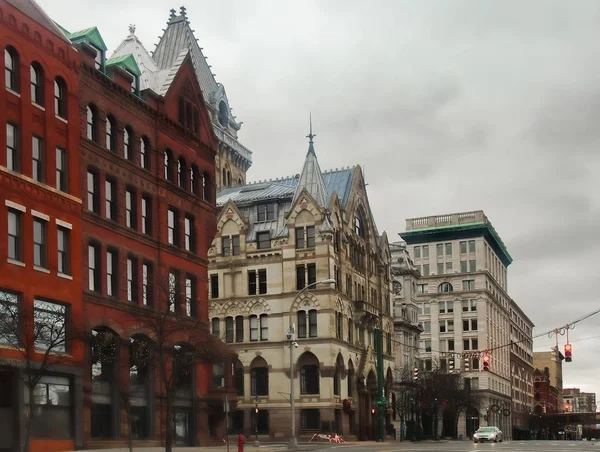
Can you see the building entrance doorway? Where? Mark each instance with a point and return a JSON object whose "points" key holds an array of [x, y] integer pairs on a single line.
{"points": [[8, 420]]}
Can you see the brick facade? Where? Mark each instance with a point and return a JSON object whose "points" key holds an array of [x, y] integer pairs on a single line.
{"points": [[35, 209]]}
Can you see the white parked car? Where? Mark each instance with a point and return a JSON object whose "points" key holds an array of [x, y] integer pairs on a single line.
{"points": [[488, 434]]}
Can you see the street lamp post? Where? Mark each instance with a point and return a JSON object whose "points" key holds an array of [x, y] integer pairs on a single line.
{"points": [[291, 337]]}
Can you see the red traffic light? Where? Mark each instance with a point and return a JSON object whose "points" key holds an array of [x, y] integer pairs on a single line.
{"points": [[486, 359], [568, 353], [256, 410], [372, 410], [486, 362]]}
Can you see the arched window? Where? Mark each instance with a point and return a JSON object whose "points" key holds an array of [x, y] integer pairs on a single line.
{"points": [[337, 376], [140, 376], [11, 69], [229, 178], [223, 115], [183, 370], [36, 75], [110, 133], [359, 226], [168, 164], [181, 172], [309, 374], [224, 178], [238, 377], [127, 143], [229, 330], [205, 186], [193, 179], [91, 123], [144, 153], [240, 181], [259, 377], [350, 378], [445, 287], [60, 98], [216, 326], [104, 359], [307, 323]]}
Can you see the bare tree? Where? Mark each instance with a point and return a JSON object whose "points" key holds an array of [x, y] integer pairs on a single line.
{"points": [[41, 335], [177, 340]]}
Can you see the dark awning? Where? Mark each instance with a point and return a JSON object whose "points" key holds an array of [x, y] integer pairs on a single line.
{"points": [[521, 428]]}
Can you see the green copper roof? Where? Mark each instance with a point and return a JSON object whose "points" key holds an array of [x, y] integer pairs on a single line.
{"points": [[125, 62], [89, 35], [453, 231]]}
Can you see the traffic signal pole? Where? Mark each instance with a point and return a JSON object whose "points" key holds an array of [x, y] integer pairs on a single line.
{"points": [[381, 402]]}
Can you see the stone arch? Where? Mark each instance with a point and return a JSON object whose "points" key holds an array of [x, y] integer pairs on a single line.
{"points": [[309, 207], [258, 306], [308, 301], [339, 306], [259, 362], [230, 213], [371, 382], [304, 217], [230, 227]]}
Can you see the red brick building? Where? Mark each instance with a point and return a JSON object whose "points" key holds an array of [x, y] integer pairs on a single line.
{"points": [[148, 159], [40, 223]]}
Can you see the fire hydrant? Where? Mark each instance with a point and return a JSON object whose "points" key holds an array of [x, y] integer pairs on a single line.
{"points": [[241, 442]]}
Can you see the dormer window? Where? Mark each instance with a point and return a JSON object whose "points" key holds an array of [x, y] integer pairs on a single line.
{"points": [[223, 115], [359, 228], [266, 212], [99, 58], [134, 82]]}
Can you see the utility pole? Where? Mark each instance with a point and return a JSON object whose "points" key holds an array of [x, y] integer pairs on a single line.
{"points": [[256, 443], [381, 402], [227, 418]]}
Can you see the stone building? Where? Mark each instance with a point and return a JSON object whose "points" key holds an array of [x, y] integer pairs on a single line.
{"points": [[274, 239], [548, 382], [465, 309], [158, 69], [577, 401], [41, 311]]}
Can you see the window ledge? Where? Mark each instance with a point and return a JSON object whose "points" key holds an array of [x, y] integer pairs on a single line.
{"points": [[41, 269], [38, 106], [60, 118], [65, 276], [15, 262], [13, 92]]}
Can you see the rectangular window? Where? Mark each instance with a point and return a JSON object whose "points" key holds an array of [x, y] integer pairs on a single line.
{"points": [[312, 323], [310, 236], [13, 154], [427, 346], [468, 284], [146, 215], [190, 234], [251, 282], [112, 272], [40, 243], [50, 326], [427, 327], [61, 169], [9, 313], [300, 277], [463, 266], [426, 270], [263, 240], [264, 327], [446, 326], [92, 192], [173, 291], [422, 288], [311, 273], [474, 344], [37, 159], [448, 268], [472, 267], [132, 283], [94, 268], [417, 252], [190, 295], [266, 212], [440, 249], [110, 196], [253, 328], [214, 286], [235, 245], [299, 237], [440, 268], [450, 345], [471, 246], [448, 249], [130, 208], [226, 246], [172, 226], [463, 247], [63, 247], [301, 324], [239, 329], [262, 281], [425, 251], [15, 235], [147, 284], [229, 330]]}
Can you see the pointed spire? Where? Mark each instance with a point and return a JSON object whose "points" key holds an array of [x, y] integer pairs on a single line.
{"points": [[311, 177]]}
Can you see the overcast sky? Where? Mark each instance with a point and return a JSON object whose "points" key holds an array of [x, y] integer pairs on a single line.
{"points": [[448, 106]]}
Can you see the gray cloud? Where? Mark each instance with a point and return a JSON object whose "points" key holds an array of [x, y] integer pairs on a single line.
{"points": [[448, 106]]}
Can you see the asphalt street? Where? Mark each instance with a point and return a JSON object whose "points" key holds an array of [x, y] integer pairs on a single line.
{"points": [[457, 446]]}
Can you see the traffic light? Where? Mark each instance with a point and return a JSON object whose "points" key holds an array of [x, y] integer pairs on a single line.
{"points": [[568, 351], [372, 410], [467, 364], [416, 373], [451, 365], [256, 410], [486, 360], [554, 354]]}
